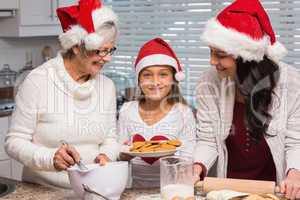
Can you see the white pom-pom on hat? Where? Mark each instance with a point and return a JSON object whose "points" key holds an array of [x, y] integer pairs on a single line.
{"points": [[179, 76], [276, 51]]}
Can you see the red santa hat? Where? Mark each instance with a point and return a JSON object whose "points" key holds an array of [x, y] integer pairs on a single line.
{"points": [[80, 22], [244, 29], [158, 52]]}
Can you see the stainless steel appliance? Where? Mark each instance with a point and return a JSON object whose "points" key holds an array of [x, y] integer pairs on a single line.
{"points": [[6, 107], [7, 81]]}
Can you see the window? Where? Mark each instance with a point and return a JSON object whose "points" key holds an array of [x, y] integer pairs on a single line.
{"points": [[181, 22]]}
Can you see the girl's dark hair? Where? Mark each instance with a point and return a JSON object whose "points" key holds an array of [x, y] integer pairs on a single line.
{"points": [[256, 81], [173, 97]]}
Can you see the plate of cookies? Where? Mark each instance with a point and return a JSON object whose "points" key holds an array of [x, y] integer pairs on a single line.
{"points": [[153, 148]]}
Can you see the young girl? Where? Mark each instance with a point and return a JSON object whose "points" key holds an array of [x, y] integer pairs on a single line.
{"points": [[160, 111]]}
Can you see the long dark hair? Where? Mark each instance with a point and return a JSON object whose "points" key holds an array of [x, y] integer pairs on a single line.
{"points": [[174, 95], [256, 81]]}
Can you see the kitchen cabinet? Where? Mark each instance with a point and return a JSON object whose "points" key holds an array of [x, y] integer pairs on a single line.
{"points": [[5, 161], [3, 131], [5, 168], [8, 8], [9, 168], [34, 18]]}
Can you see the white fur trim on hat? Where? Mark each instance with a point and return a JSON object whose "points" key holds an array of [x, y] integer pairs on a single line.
{"points": [[93, 41], [233, 42], [155, 59], [276, 51], [159, 59], [72, 37], [102, 15]]}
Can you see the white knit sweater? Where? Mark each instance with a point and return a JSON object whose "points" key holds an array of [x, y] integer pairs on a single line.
{"points": [[51, 107], [216, 102], [179, 123]]}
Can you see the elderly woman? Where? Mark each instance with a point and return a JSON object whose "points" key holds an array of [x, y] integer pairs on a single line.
{"points": [[65, 108], [249, 108]]}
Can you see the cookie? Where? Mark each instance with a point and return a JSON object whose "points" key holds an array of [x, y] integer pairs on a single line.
{"points": [[137, 145], [176, 143], [166, 146]]}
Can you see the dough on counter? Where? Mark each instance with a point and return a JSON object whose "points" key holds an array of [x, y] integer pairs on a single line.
{"points": [[231, 195], [223, 194]]}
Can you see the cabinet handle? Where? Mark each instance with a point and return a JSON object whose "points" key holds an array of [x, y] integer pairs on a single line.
{"points": [[51, 9], [57, 6]]}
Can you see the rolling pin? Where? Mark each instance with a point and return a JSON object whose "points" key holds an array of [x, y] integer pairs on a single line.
{"points": [[239, 185]]}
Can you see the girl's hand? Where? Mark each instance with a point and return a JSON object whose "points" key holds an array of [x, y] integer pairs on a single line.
{"points": [[102, 159], [65, 157], [124, 156], [291, 185]]}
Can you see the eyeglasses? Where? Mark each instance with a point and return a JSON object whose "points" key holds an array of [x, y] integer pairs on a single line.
{"points": [[103, 53]]}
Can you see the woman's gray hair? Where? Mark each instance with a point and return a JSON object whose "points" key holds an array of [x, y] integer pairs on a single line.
{"points": [[108, 30]]}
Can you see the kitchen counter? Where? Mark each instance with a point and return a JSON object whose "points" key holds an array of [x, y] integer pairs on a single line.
{"points": [[27, 191]]}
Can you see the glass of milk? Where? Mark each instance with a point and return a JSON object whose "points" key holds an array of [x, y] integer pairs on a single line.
{"points": [[176, 178]]}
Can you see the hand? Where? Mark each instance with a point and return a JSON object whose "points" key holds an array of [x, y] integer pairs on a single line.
{"points": [[102, 159], [65, 157], [125, 157], [291, 185], [197, 171]]}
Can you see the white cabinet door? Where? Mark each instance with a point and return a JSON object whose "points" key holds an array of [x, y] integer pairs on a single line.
{"points": [[41, 12], [63, 3], [16, 170], [16, 167], [5, 168], [3, 131], [7, 5], [34, 18], [5, 162]]}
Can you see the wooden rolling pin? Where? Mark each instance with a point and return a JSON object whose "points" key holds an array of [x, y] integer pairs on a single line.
{"points": [[239, 185]]}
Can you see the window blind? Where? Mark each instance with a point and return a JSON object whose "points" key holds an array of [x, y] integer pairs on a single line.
{"points": [[180, 22]]}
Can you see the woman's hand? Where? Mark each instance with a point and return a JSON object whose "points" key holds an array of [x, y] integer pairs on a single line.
{"points": [[197, 171], [102, 159], [125, 157], [65, 157], [291, 185]]}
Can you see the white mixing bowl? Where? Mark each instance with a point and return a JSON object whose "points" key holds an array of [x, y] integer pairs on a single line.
{"points": [[109, 180]]}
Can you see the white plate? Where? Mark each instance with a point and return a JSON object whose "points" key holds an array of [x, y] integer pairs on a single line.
{"points": [[155, 154]]}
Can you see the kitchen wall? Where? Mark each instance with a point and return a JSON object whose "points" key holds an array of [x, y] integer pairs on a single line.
{"points": [[13, 50]]}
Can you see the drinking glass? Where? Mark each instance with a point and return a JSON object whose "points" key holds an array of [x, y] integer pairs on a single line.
{"points": [[176, 178]]}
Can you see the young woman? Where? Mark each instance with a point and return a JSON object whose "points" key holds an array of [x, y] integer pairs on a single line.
{"points": [[249, 108], [67, 100], [160, 111]]}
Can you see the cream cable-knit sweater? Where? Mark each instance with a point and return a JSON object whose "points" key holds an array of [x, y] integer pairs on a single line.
{"points": [[52, 107], [216, 101]]}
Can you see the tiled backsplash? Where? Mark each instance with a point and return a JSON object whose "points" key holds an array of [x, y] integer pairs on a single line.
{"points": [[13, 50]]}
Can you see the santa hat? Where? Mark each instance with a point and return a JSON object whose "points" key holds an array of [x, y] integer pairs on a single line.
{"points": [[158, 52], [244, 29], [79, 23]]}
